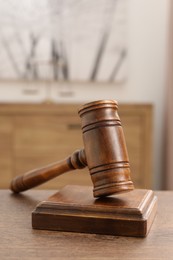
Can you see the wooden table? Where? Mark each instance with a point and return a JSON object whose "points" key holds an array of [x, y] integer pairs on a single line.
{"points": [[19, 241]]}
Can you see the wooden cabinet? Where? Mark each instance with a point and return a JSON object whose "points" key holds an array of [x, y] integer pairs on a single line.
{"points": [[32, 136]]}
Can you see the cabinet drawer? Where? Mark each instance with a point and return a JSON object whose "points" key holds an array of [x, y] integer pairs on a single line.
{"points": [[32, 136]]}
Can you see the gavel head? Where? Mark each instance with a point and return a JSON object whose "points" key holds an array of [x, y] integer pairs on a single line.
{"points": [[105, 148]]}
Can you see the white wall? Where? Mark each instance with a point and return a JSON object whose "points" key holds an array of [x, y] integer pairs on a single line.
{"points": [[148, 31], [147, 71]]}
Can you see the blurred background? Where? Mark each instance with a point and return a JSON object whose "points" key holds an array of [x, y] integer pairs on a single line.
{"points": [[57, 55]]}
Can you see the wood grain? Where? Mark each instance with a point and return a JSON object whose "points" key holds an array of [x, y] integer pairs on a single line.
{"points": [[20, 241], [6, 149]]}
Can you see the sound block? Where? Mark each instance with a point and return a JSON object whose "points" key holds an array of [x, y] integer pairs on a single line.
{"points": [[74, 209]]}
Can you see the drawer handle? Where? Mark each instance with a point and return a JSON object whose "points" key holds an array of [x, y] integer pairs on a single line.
{"points": [[74, 126]]}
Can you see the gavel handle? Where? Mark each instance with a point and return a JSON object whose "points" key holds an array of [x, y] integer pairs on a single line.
{"points": [[38, 176]]}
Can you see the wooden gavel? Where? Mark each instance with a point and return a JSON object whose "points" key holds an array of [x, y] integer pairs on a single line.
{"points": [[104, 153]]}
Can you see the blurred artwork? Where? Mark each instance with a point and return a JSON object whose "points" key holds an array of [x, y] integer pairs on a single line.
{"points": [[63, 40]]}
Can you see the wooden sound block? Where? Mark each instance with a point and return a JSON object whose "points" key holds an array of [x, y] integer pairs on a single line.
{"points": [[74, 209]]}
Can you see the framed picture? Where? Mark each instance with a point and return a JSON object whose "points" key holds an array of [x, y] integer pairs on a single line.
{"points": [[63, 40]]}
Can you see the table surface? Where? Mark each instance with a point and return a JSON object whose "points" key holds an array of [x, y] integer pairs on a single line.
{"points": [[19, 241]]}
